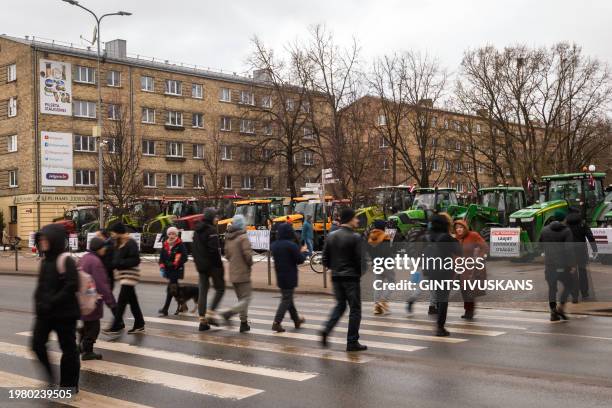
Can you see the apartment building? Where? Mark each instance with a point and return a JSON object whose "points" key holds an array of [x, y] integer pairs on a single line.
{"points": [[48, 128]]}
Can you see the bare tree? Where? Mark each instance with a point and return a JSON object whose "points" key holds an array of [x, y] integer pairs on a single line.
{"points": [[212, 167], [408, 85], [123, 182]]}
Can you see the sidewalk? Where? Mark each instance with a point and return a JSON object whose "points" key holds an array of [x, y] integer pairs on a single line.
{"points": [[310, 282]]}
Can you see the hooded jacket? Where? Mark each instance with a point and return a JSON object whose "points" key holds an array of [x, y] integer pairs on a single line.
{"points": [[471, 241], [93, 265], [239, 254], [287, 256], [558, 248], [206, 247], [55, 294]]}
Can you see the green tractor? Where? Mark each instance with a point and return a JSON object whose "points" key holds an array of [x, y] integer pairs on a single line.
{"points": [[166, 210], [495, 204], [410, 225], [389, 200], [583, 191]]}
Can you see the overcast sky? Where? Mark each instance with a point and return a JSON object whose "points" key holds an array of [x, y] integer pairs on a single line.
{"points": [[217, 33]]}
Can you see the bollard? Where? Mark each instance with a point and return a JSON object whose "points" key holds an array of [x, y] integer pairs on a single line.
{"points": [[324, 277], [269, 270], [16, 258]]}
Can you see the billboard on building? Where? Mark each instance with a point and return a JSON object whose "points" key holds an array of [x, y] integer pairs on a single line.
{"points": [[55, 87], [56, 159]]}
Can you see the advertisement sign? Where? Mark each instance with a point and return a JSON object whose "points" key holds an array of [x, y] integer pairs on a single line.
{"points": [[31, 240], [603, 239], [260, 239], [55, 87], [56, 159], [73, 242], [505, 242]]}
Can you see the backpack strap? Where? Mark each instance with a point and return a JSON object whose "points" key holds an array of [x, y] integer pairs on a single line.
{"points": [[60, 263]]}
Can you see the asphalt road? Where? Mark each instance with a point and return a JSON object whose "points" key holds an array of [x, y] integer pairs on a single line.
{"points": [[505, 358]]}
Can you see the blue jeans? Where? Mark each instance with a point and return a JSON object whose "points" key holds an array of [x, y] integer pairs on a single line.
{"points": [[310, 246], [346, 292]]}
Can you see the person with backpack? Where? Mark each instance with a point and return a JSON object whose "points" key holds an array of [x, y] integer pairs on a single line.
{"points": [[207, 257], [172, 259], [126, 261], [440, 244], [56, 305], [92, 264], [287, 256], [240, 256]]}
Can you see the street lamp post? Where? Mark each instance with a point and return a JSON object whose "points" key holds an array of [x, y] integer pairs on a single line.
{"points": [[99, 83]]}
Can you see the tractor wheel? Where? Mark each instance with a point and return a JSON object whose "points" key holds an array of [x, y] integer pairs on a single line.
{"points": [[485, 233], [415, 234]]}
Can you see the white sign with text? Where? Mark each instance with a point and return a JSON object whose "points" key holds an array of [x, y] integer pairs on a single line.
{"points": [[505, 242]]}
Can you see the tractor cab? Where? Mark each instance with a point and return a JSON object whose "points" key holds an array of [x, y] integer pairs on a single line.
{"points": [[256, 213], [75, 218], [504, 199]]}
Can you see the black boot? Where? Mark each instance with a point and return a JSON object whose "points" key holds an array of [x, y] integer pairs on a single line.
{"points": [[90, 355], [554, 316], [356, 346], [244, 327], [163, 312], [561, 313], [442, 332], [432, 310], [276, 326], [469, 315]]}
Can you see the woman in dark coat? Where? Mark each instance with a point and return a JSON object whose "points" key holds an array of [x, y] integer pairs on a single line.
{"points": [[287, 256], [172, 260]]}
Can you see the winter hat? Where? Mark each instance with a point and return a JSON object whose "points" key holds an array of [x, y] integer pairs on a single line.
{"points": [[346, 215], [172, 229], [210, 214], [95, 244], [238, 221], [380, 224], [118, 228], [558, 215]]}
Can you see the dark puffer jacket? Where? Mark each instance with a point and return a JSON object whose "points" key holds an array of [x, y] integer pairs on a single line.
{"points": [[55, 294], [206, 247], [287, 256]]}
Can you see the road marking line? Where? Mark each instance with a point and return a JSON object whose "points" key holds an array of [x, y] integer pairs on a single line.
{"points": [[398, 325], [242, 342], [83, 399], [146, 375], [583, 336], [300, 336], [378, 333], [196, 360]]}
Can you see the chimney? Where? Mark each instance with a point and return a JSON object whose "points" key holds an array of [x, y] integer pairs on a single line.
{"points": [[262, 75], [483, 113], [428, 103], [116, 49]]}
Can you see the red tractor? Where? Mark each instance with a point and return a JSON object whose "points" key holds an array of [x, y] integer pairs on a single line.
{"points": [[76, 217]]}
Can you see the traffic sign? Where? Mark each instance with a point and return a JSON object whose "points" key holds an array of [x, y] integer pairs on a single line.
{"points": [[313, 185]]}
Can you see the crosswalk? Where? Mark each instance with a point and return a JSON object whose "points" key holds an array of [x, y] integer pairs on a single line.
{"points": [[173, 355]]}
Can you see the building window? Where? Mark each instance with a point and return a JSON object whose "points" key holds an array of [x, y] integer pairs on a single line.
{"points": [[148, 147], [226, 124], [197, 120], [173, 87], [198, 151], [308, 158], [113, 112], [226, 152], [85, 75], [247, 154], [111, 145], [458, 146], [174, 118], [267, 183], [11, 143], [468, 167], [227, 182], [247, 126], [174, 149], [198, 181], [247, 98], [448, 165], [385, 164], [12, 107], [458, 167], [480, 168], [308, 133], [247, 182], [148, 115], [84, 143], [13, 214], [445, 123], [478, 128], [266, 102], [383, 142], [174, 180], [267, 129], [225, 95], [306, 107], [434, 121], [434, 165], [147, 84], [84, 109], [289, 105], [149, 179], [85, 178], [197, 91], [459, 187], [11, 73], [267, 154], [12, 178], [113, 78], [382, 120]]}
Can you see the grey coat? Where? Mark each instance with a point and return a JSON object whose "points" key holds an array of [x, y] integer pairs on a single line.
{"points": [[239, 254]]}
